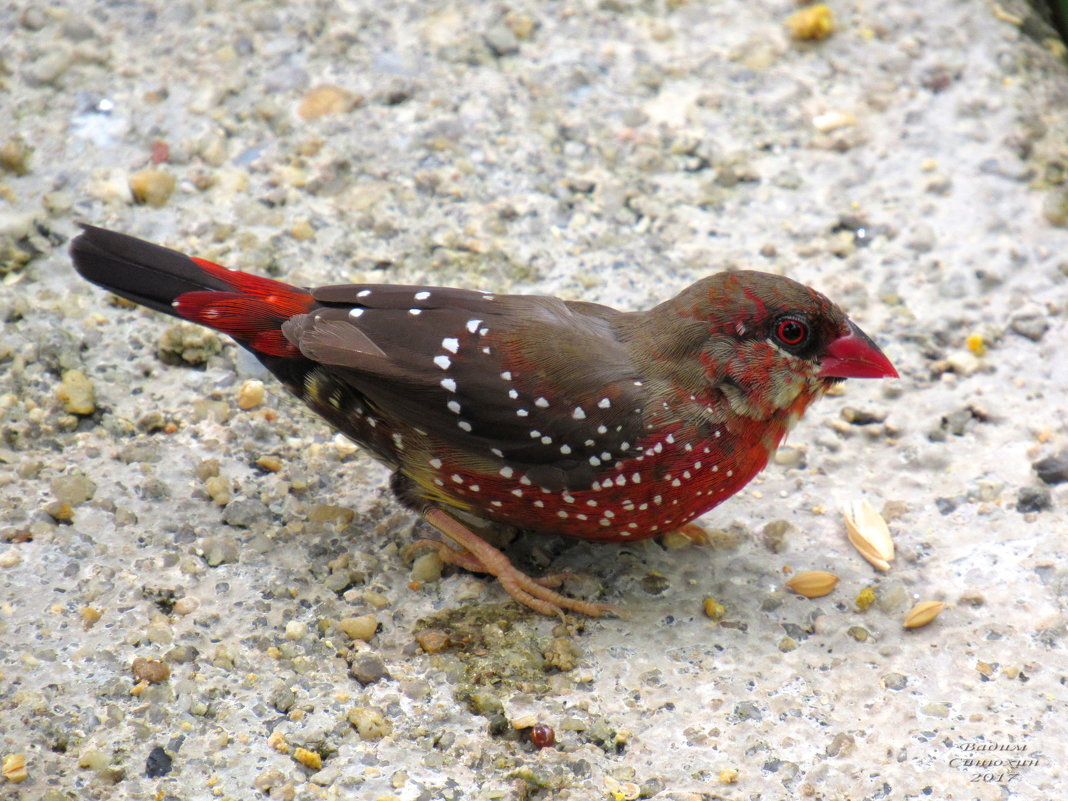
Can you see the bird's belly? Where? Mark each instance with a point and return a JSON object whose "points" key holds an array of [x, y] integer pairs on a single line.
{"points": [[672, 482]]}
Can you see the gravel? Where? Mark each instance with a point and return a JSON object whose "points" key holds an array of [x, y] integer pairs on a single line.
{"points": [[158, 509]]}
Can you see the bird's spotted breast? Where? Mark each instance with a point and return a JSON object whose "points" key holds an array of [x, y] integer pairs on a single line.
{"points": [[673, 478]]}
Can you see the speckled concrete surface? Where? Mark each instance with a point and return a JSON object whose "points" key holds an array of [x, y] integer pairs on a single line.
{"points": [[910, 166]]}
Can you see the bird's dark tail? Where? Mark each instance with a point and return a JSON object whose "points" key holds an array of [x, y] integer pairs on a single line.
{"points": [[250, 308]]}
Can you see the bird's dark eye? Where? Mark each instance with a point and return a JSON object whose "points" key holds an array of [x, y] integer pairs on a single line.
{"points": [[791, 331]]}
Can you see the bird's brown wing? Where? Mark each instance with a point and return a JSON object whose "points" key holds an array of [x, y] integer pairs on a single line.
{"points": [[529, 380]]}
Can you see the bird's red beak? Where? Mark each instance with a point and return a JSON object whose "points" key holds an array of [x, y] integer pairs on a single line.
{"points": [[854, 355]]}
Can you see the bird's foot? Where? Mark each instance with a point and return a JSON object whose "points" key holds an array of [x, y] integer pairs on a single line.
{"points": [[466, 561], [480, 557]]}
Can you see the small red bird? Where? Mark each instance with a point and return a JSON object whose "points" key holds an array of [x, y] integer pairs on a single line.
{"points": [[557, 416]]}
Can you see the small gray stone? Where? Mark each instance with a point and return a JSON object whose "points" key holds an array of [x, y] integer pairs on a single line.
{"points": [[48, 66], [73, 489], [368, 668], [218, 550], [501, 41], [747, 710], [244, 512], [895, 681], [1053, 469], [1034, 499], [947, 505], [1030, 323]]}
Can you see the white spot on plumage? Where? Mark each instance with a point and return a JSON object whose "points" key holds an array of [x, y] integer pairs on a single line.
{"points": [[453, 407], [449, 384], [439, 482], [581, 517], [486, 351], [591, 502], [472, 325], [363, 293], [643, 507], [595, 461], [676, 483], [670, 439], [541, 403], [568, 498], [526, 482], [354, 313], [497, 452], [636, 478], [415, 312], [604, 403], [730, 473], [539, 504], [507, 472], [507, 375], [604, 521], [606, 456], [422, 295], [451, 344], [562, 514], [565, 449], [578, 414], [534, 434], [517, 493], [521, 413], [609, 513], [442, 361], [474, 488], [513, 394], [496, 503], [546, 440], [483, 331], [457, 478], [466, 426], [435, 463], [657, 500], [602, 430], [686, 475], [621, 481]]}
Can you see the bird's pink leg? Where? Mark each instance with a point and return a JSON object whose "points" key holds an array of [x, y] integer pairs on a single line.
{"points": [[481, 557]]}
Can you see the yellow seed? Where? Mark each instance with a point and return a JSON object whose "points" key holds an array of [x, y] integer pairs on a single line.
{"points": [[714, 610], [869, 534], [277, 741], [975, 344], [812, 23], [813, 583], [728, 776], [865, 598], [308, 759], [250, 394], [14, 769], [923, 613]]}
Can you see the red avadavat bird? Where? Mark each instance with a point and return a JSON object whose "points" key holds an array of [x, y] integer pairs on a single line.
{"points": [[556, 416]]}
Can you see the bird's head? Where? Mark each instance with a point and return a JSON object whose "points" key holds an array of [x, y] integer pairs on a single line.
{"points": [[769, 343]]}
